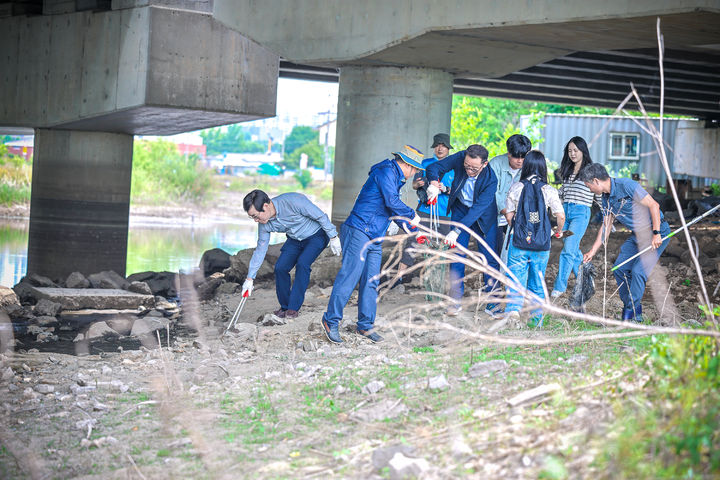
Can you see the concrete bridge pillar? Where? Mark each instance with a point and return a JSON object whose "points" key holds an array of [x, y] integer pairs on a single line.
{"points": [[379, 110], [80, 202]]}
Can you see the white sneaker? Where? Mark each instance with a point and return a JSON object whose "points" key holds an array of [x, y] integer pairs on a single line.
{"points": [[556, 294]]}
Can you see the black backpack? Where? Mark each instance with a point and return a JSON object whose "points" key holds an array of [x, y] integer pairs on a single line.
{"points": [[531, 222]]}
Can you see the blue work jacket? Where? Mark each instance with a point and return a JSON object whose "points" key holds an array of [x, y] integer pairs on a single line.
{"points": [[379, 199], [484, 209]]}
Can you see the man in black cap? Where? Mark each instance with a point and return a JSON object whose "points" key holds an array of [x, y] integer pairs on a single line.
{"points": [[441, 148]]}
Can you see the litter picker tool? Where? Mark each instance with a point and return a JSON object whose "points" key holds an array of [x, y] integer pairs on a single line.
{"points": [[238, 310], [671, 234]]}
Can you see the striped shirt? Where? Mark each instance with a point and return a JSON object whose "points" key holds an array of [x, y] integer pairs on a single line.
{"points": [[575, 191]]}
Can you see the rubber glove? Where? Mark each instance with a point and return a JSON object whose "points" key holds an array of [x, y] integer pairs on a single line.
{"points": [[335, 246], [451, 238], [247, 287], [432, 193]]}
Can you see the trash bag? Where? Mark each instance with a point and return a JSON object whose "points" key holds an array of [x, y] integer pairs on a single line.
{"points": [[584, 287]]}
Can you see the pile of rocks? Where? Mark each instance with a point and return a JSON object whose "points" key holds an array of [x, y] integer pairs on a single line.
{"points": [[99, 305]]}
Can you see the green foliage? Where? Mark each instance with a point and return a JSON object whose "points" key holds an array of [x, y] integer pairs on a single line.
{"points": [[314, 151], [160, 173], [677, 436], [231, 140], [15, 178], [715, 188], [304, 178], [300, 136], [490, 121], [626, 171]]}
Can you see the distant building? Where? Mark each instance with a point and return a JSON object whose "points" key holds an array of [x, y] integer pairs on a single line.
{"points": [[621, 141], [240, 163], [23, 147]]}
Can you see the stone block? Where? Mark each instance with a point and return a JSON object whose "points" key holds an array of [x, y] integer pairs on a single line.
{"points": [[97, 299]]}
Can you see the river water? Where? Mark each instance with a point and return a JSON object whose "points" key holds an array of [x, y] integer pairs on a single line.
{"points": [[153, 244]]}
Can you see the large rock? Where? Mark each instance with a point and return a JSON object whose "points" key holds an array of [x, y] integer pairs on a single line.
{"points": [[143, 326], [121, 324], [214, 261], [140, 287], [39, 281], [206, 290], [98, 330], [161, 283], [26, 293], [227, 288], [47, 308], [8, 297], [96, 299], [108, 279], [240, 262], [325, 269], [77, 280]]}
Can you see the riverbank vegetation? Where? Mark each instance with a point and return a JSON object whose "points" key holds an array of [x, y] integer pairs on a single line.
{"points": [[15, 178]]}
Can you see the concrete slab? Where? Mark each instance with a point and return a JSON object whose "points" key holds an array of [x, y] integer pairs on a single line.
{"points": [[95, 298]]}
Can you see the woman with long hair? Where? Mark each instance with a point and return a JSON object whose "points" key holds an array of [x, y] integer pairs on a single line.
{"points": [[526, 212], [577, 200]]}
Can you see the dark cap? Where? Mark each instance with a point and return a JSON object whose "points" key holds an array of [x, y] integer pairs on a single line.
{"points": [[443, 138]]}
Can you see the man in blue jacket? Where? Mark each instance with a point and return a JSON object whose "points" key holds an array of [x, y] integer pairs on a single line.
{"points": [[472, 203], [378, 200]]}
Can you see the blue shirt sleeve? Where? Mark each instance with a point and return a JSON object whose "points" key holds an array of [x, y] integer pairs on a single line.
{"points": [[258, 255], [389, 191]]}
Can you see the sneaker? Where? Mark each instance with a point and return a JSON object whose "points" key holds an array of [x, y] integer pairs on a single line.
{"points": [[369, 334], [556, 293], [290, 313], [453, 310], [331, 332], [493, 309]]}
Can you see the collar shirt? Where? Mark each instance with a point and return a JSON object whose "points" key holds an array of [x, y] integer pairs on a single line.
{"points": [[623, 202], [443, 198], [297, 217], [468, 191]]}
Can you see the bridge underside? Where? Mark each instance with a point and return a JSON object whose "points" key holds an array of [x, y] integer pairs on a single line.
{"points": [[593, 78]]}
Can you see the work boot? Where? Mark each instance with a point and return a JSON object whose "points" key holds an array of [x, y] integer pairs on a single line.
{"points": [[331, 332]]}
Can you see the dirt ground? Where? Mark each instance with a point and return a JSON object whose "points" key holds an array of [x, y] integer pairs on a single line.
{"points": [[281, 402]]}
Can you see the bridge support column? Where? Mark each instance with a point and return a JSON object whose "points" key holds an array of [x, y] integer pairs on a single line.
{"points": [[379, 110], [80, 202]]}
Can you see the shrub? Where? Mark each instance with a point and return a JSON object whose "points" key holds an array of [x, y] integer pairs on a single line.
{"points": [[304, 178]]}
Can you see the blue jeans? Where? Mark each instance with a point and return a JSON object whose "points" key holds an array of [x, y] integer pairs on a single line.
{"points": [[301, 255], [529, 268], [577, 218], [457, 270], [360, 263], [632, 276]]}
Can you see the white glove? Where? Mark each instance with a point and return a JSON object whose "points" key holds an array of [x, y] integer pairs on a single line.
{"points": [[432, 192], [392, 229], [412, 226], [335, 246], [247, 287], [415, 221], [451, 238]]}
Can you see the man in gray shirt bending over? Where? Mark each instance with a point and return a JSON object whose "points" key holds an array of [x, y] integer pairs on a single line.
{"points": [[308, 231]]}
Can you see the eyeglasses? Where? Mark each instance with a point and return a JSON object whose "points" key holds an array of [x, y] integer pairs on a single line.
{"points": [[255, 217], [470, 168]]}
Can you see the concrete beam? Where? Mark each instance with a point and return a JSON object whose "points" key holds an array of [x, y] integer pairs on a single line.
{"points": [[80, 202], [485, 38], [379, 110], [136, 71]]}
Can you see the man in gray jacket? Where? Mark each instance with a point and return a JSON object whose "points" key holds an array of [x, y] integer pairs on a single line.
{"points": [[308, 231]]}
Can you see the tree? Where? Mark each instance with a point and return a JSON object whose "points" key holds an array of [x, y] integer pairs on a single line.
{"points": [[314, 151], [304, 178], [299, 136], [233, 140]]}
